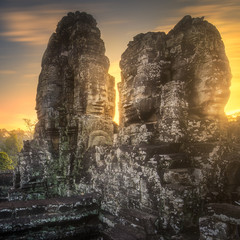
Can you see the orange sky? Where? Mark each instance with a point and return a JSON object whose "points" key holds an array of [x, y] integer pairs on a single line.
{"points": [[25, 27]]}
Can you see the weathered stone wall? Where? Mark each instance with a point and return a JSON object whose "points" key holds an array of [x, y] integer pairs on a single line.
{"points": [[231, 169], [147, 178]]}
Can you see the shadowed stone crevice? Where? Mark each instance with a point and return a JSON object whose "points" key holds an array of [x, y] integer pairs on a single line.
{"points": [[6, 182]]}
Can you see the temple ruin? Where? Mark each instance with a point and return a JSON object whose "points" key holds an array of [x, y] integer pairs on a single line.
{"points": [[170, 170]]}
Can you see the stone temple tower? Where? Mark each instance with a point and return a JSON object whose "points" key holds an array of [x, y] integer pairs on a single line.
{"points": [[75, 104]]}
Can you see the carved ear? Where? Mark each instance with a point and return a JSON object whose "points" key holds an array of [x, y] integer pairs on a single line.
{"points": [[99, 138]]}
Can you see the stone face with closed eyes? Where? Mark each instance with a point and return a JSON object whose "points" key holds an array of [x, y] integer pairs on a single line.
{"points": [[74, 81], [144, 70], [198, 58], [172, 79]]}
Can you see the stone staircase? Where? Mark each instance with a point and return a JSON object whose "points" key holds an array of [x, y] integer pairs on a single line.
{"points": [[30, 191], [221, 221], [133, 224], [56, 218]]}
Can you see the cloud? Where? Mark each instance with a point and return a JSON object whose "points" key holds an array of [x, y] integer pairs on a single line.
{"points": [[164, 28], [30, 75], [169, 23], [35, 25], [7, 72], [227, 11], [115, 22], [32, 27]]}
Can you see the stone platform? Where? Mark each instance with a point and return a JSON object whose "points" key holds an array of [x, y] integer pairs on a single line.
{"points": [[221, 222], [55, 218]]}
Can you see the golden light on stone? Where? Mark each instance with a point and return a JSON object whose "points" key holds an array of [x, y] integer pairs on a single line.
{"points": [[115, 71], [231, 41]]}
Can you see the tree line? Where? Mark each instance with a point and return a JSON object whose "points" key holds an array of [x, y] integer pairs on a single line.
{"points": [[11, 143]]}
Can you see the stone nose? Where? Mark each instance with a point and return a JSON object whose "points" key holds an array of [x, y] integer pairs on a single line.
{"points": [[99, 99], [221, 93], [98, 102]]}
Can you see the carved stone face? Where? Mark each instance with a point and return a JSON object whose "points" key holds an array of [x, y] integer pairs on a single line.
{"points": [[210, 88], [99, 138], [100, 93], [97, 98], [141, 95], [143, 70]]}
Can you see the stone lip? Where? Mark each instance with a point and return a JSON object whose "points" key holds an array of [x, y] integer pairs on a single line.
{"points": [[221, 221], [41, 219], [94, 197], [26, 215]]}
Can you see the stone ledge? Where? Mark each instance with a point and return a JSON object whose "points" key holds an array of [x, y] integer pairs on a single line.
{"points": [[225, 212], [25, 215]]}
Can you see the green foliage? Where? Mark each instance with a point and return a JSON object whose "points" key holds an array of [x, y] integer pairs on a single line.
{"points": [[11, 142], [30, 125], [5, 162], [3, 134]]}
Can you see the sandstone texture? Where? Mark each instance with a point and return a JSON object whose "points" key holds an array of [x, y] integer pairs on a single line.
{"points": [[173, 155]]}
